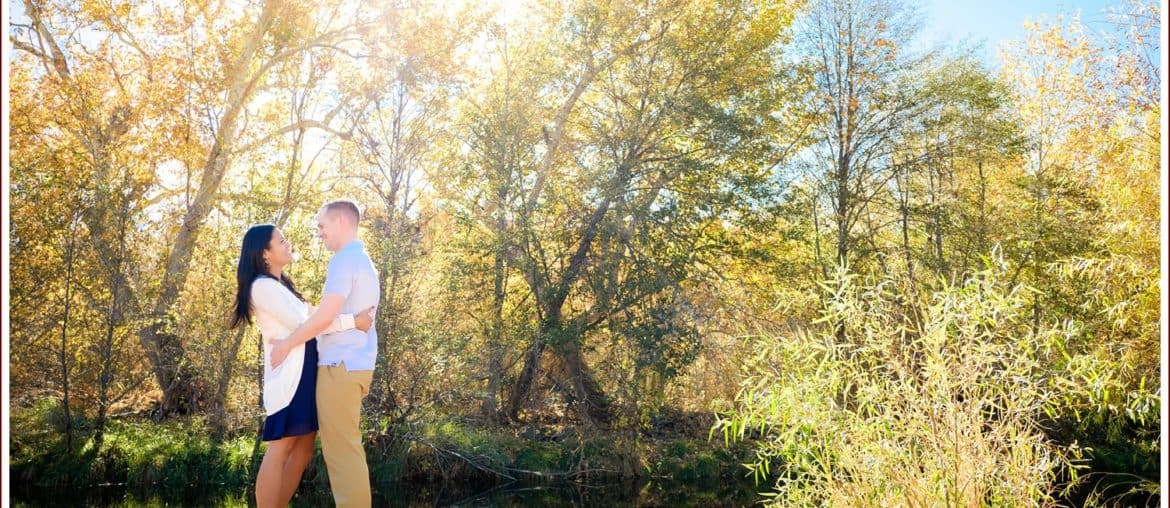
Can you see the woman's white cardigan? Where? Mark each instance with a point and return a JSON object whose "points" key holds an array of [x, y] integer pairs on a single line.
{"points": [[278, 312]]}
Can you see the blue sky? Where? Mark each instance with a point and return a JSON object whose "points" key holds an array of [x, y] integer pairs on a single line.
{"points": [[993, 21], [952, 21]]}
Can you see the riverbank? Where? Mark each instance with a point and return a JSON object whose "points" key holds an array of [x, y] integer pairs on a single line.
{"points": [[439, 461], [138, 455]]}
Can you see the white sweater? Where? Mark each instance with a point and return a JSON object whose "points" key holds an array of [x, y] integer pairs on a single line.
{"points": [[278, 312]]}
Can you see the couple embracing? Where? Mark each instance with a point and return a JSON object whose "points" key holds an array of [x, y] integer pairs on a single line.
{"points": [[318, 362]]}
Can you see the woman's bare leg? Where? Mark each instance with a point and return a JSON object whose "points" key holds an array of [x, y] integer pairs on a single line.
{"points": [[269, 479], [294, 466]]}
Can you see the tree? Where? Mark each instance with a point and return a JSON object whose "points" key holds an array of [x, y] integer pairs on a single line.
{"points": [[942, 166], [171, 73], [654, 137], [400, 131], [482, 186], [276, 33], [1088, 105], [861, 60], [99, 97]]}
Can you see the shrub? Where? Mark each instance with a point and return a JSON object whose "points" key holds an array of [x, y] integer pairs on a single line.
{"points": [[891, 402]]}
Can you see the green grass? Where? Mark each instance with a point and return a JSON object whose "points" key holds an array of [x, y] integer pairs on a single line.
{"points": [[182, 454], [173, 454]]}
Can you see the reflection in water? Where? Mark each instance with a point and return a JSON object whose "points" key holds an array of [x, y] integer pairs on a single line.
{"points": [[717, 492]]}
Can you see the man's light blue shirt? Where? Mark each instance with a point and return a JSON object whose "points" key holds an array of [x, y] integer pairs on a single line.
{"points": [[351, 274]]}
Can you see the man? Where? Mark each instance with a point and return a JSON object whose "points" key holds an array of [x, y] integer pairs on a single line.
{"points": [[345, 365]]}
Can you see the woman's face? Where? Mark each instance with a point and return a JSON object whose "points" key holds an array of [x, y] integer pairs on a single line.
{"points": [[279, 251]]}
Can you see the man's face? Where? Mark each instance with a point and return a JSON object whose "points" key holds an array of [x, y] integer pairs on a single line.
{"points": [[329, 229]]}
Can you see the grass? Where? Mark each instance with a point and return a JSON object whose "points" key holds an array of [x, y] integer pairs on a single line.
{"points": [[180, 455], [140, 453], [455, 448]]}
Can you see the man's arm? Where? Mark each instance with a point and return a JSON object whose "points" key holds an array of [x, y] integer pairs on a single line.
{"points": [[328, 310], [360, 321]]}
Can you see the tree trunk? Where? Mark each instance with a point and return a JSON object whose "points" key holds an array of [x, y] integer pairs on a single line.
{"points": [[936, 220], [982, 231], [904, 209], [843, 210], [225, 378], [592, 404], [553, 302], [495, 346], [527, 374], [107, 346], [64, 356], [820, 258], [179, 383]]}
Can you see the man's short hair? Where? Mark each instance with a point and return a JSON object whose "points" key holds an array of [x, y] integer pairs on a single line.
{"points": [[345, 206]]}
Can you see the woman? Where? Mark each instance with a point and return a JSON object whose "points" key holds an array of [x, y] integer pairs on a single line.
{"points": [[290, 402]]}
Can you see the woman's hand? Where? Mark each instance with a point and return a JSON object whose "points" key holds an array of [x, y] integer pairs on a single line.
{"points": [[364, 320]]}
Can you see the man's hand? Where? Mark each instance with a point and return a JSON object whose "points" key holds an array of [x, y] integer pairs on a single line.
{"points": [[317, 322], [364, 320], [280, 351]]}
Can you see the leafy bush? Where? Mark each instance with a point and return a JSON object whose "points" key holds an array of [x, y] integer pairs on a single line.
{"points": [[889, 402]]}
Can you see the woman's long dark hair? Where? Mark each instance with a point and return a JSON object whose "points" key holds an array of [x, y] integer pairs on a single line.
{"points": [[252, 266]]}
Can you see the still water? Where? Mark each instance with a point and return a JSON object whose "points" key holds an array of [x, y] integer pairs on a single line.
{"points": [[521, 494]]}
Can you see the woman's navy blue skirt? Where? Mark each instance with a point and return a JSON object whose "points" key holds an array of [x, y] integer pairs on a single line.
{"points": [[300, 417]]}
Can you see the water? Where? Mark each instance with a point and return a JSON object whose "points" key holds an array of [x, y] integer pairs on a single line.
{"points": [[520, 494]]}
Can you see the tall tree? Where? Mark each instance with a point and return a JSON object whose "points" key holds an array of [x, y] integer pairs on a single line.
{"points": [[121, 70], [483, 185], [653, 130], [264, 39], [399, 132], [861, 58], [1087, 103]]}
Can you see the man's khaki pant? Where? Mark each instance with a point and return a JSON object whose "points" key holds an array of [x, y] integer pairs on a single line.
{"points": [[339, 412]]}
